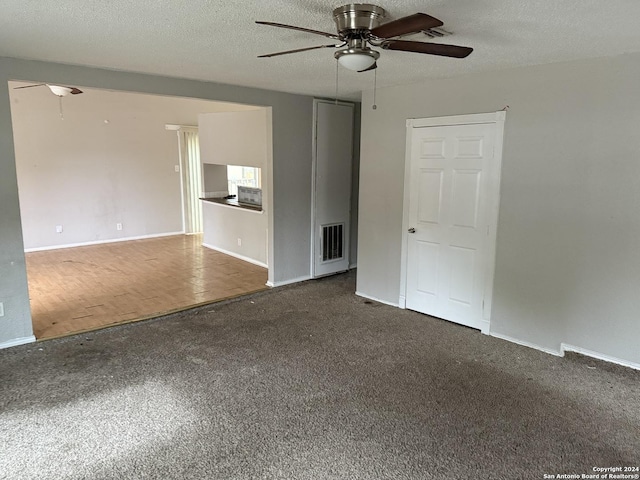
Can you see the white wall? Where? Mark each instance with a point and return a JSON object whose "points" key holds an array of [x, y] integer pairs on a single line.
{"points": [[214, 178], [237, 138], [568, 262], [109, 161], [355, 185], [224, 225]]}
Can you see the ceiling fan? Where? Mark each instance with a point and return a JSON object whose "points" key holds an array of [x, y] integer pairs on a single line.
{"points": [[360, 25], [59, 90]]}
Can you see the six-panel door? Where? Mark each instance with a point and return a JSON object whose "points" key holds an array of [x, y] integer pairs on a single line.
{"points": [[447, 256]]}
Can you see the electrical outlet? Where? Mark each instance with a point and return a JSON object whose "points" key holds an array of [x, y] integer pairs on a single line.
{"points": [[58, 228], [1, 309], [118, 226], [177, 168], [239, 242]]}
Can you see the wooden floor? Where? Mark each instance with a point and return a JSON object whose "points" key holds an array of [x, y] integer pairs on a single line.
{"points": [[78, 289]]}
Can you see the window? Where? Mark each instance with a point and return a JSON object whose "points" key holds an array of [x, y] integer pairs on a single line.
{"points": [[245, 176]]}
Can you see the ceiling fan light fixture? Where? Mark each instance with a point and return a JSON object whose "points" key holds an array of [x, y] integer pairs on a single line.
{"points": [[59, 90], [357, 59]]}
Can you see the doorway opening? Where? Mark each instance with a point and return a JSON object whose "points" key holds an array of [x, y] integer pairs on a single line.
{"points": [[100, 195]]}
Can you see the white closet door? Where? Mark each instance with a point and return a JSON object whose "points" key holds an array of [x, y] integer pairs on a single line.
{"points": [[448, 248], [332, 187]]}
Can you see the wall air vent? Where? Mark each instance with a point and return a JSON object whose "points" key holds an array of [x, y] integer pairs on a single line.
{"points": [[332, 242]]}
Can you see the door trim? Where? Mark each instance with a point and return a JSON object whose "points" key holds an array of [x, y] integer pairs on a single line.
{"points": [[497, 118]]}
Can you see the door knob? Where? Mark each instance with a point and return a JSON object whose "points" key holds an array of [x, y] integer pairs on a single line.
{"points": [[412, 230]]}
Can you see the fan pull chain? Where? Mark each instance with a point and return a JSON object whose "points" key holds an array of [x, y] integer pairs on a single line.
{"points": [[375, 85], [60, 105], [337, 70]]}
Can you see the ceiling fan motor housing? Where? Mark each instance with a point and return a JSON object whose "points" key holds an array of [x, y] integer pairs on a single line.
{"points": [[355, 17]]}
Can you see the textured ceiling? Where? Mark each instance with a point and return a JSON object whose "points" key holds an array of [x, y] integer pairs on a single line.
{"points": [[219, 41]]}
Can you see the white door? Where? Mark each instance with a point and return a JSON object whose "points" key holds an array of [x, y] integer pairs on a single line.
{"points": [[333, 161], [453, 191]]}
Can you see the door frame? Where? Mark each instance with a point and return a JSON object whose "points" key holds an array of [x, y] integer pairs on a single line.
{"points": [[498, 118], [314, 167]]}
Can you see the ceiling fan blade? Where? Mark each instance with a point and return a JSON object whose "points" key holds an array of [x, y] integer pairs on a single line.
{"points": [[30, 86], [75, 91], [429, 48], [372, 67], [296, 51], [300, 29], [402, 26]]}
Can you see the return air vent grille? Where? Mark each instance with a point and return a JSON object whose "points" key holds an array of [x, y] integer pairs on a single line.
{"points": [[332, 242]]}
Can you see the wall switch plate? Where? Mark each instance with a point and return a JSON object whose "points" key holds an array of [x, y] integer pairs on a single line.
{"points": [[118, 226], [1, 309], [239, 242], [58, 228]]}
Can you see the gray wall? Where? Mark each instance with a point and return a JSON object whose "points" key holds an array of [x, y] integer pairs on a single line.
{"points": [[16, 323], [568, 261], [292, 134]]}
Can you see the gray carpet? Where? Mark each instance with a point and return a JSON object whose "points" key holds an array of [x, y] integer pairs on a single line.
{"points": [[308, 382]]}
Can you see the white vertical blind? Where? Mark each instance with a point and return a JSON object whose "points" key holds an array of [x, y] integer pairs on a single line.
{"points": [[191, 178]]}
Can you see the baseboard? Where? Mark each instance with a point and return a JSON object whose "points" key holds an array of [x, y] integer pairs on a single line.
{"points": [[17, 341], [353, 266], [600, 356], [289, 282], [570, 348], [100, 242], [360, 294], [526, 344], [236, 255], [485, 327]]}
